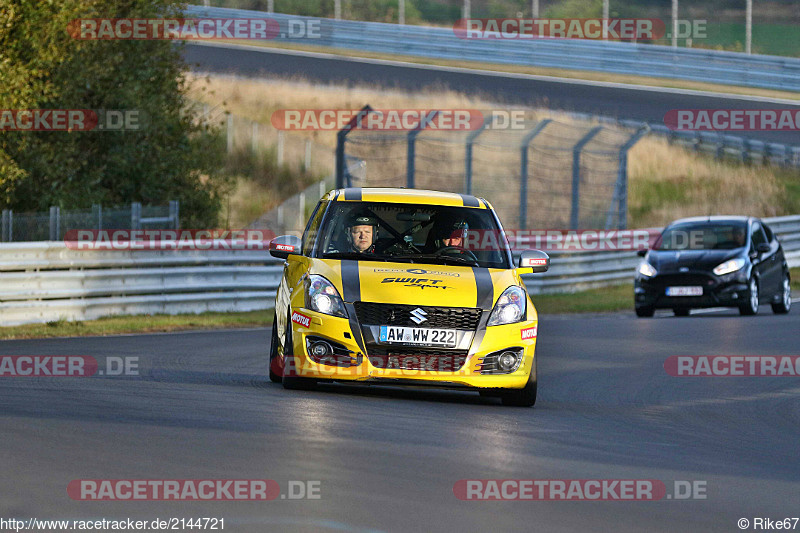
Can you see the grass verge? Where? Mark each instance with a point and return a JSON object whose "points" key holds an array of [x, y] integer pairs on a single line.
{"points": [[138, 324]]}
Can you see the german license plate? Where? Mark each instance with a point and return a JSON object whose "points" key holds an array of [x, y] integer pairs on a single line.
{"points": [[684, 291], [420, 336]]}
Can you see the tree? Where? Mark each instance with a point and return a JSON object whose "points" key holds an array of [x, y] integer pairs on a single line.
{"points": [[42, 66]]}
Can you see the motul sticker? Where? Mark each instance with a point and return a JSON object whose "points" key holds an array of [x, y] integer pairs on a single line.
{"points": [[301, 319], [285, 247], [529, 333], [529, 262]]}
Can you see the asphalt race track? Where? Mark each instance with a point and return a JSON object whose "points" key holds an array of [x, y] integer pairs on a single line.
{"points": [[387, 459], [614, 100]]}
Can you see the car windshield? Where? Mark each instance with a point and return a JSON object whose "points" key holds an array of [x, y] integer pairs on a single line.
{"points": [[703, 236], [412, 233]]}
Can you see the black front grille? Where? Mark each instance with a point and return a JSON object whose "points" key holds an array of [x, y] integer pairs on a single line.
{"points": [[400, 315], [417, 359], [671, 280]]}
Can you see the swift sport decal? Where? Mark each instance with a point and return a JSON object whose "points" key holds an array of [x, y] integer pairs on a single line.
{"points": [[418, 282]]}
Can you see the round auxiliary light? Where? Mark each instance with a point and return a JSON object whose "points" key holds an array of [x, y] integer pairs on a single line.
{"points": [[321, 349], [506, 361]]}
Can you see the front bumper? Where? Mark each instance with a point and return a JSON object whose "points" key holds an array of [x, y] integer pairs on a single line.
{"points": [[730, 290], [405, 365]]}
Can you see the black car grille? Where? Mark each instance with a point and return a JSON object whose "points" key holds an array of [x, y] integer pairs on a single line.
{"points": [[417, 359], [399, 315], [682, 280]]}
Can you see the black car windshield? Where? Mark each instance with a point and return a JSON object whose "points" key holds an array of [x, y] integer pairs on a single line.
{"points": [[703, 236], [412, 233]]}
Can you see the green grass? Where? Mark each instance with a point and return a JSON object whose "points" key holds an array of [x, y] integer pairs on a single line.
{"points": [[138, 324], [770, 39], [795, 275], [604, 300]]}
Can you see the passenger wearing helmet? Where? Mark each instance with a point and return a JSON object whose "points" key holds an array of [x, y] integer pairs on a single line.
{"points": [[362, 232]]}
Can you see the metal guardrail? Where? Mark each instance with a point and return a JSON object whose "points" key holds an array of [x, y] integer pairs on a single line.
{"points": [[578, 271], [47, 281], [732, 68]]}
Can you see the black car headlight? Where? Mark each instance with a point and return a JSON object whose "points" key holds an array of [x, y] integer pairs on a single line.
{"points": [[322, 296], [646, 270], [510, 307], [729, 266]]}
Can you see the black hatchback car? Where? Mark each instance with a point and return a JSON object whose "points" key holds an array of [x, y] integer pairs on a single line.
{"points": [[713, 262]]}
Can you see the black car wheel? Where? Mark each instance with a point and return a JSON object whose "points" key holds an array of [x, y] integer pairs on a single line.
{"points": [[524, 397], [293, 382], [751, 306], [681, 312], [273, 352], [645, 312], [786, 298]]}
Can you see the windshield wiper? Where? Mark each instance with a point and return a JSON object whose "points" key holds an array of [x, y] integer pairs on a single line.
{"points": [[444, 259]]}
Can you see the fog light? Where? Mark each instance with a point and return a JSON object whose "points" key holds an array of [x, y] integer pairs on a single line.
{"points": [[320, 349], [507, 361]]}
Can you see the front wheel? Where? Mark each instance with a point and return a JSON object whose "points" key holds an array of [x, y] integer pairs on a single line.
{"points": [[293, 382], [645, 312], [524, 397], [786, 298], [750, 308], [273, 352]]}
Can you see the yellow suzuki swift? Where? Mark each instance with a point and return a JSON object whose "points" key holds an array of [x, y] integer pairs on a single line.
{"points": [[405, 287]]}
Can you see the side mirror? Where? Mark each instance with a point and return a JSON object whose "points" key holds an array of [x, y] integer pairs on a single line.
{"points": [[641, 253], [284, 245], [535, 260], [763, 248]]}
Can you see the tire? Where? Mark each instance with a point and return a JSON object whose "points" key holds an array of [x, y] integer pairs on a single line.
{"points": [[294, 382], [645, 312], [273, 352], [681, 312], [786, 298], [751, 307], [524, 397]]}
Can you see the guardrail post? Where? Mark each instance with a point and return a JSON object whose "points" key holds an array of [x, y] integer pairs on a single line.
{"points": [[523, 171], [136, 215], [576, 175], [7, 232], [468, 156], [341, 137], [97, 215], [174, 213], [411, 144], [620, 196]]}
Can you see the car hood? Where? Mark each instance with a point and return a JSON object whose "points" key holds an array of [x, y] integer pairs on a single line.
{"points": [[666, 261], [415, 284]]}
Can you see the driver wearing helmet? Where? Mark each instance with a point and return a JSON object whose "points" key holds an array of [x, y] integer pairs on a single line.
{"points": [[362, 232], [451, 234]]}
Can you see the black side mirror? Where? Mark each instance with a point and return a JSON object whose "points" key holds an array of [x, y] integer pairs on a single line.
{"points": [[641, 253], [536, 260], [284, 245], [763, 248]]}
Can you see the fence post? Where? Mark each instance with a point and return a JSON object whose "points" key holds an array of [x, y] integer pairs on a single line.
{"points": [[341, 137], [523, 171], [301, 211], [411, 143], [229, 133], [621, 188], [174, 213], [574, 218], [307, 158], [136, 215], [468, 156], [6, 234], [280, 148], [97, 214], [55, 222]]}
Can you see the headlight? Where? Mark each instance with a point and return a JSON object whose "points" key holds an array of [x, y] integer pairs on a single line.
{"points": [[323, 297], [646, 269], [729, 266], [510, 307]]}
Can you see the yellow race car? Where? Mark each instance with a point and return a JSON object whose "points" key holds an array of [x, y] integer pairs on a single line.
{"points": [[405, 287]]}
